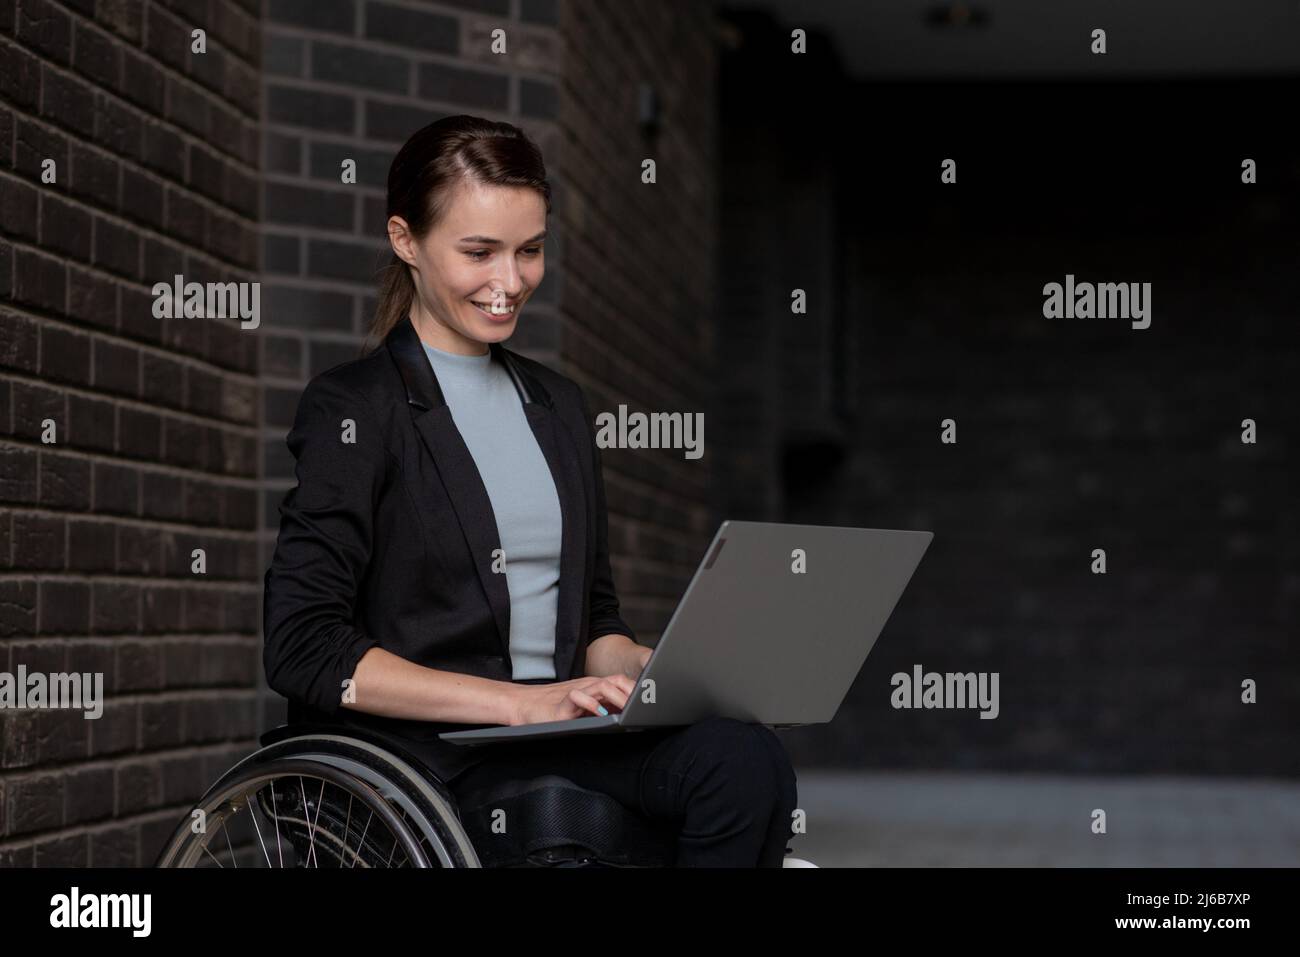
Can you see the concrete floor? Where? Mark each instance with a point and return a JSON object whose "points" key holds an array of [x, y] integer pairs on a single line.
{"points": [[920, 819]]}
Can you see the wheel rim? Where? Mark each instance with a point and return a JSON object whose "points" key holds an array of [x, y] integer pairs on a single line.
{"points": [[298, 813]]}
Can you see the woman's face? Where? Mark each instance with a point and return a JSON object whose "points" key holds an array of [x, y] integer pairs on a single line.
{"points": [[488, 249]]}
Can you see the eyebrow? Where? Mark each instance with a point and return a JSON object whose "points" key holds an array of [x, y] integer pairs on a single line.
{"points": [[489, 241]]}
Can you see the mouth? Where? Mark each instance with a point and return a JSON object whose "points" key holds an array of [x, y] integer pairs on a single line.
{"points": [[507, 310]]}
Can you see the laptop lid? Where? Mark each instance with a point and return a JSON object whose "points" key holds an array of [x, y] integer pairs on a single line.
{"points": [[776, 623]]}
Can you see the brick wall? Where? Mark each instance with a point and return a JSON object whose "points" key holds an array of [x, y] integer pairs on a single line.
{"points": [[155, 152], [638, 267]]}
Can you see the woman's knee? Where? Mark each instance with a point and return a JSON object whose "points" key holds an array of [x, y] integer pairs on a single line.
{"points": [[751, 758]]}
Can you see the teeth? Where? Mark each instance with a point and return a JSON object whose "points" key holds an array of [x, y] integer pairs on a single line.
{"points": [[487, 307]]}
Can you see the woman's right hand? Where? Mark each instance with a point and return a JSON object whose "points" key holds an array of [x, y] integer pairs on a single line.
{"points": [[576, 698]]}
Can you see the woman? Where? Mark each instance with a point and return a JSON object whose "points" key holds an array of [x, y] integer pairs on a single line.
{"points": [[442, 562]]}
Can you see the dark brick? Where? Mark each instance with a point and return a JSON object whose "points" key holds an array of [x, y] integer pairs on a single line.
{"points": [[142, 199], [140, 550], [39, 281], [98, 56], [167, 38], [6, 137], [92, 545], [91, 423], [117, 489], [136, 318], [164, 380], [35, 803], [117, 730], [65, 481], [162, 261], [426, 32], [117, 247], [317, 109], [44, 27], [542, 12], [342, 260], [162, 496], [65, 227], [20, 342], [183, 443], [18, 602], [189, 108], [73, 851], [352, 66], [202, 391], [119, 128], [281, 254], [20, 76], [116, 609], [282, 55], [39, 541], [65, 354], [123, 17], [92, 297], [94, 176], [139, 433], [116, 367], [67, 101], [396, 121], [139, 786], [65, 607], [187, 218], [326, 163], [164, 150], [88, 794], [34, 144], [139, 666], [281, 356], [6, 278], [477, 89], [288, 204], [207, 172], [338, 16], [163, 611], [537, 99], [115, 847], [283, 153], [209, 69], [306, 307], [18, 474], [161, 726], [19, 203], [144, 83], [33, 404]]}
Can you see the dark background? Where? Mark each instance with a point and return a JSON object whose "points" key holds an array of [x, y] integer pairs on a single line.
{"points": [[775, 172]]}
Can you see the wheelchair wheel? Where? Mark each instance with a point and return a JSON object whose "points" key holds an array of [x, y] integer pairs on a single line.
{"points": [[320, 801]]}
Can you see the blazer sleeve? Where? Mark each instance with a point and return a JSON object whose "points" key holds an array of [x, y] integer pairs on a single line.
{"points": [[603, 600], [323, 548]]}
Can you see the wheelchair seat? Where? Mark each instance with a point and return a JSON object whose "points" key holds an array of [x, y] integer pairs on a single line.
{"points": [[550, 821]]}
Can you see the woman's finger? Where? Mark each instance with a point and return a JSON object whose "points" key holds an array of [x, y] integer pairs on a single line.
{"points": [[584, 701]]}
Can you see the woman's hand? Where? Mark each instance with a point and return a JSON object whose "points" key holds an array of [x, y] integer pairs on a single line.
{"points": [[576, 698]]}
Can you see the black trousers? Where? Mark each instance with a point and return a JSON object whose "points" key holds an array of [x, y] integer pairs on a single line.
{"points": [[726, 786]]}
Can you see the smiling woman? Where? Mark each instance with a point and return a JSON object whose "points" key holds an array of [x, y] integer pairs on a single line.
{"points": [[444, 562]]}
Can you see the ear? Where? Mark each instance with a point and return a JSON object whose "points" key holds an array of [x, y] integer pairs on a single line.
{"points": [[400, 238]]}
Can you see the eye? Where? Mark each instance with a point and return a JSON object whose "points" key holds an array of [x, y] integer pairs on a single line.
{"points": [[475, 254], [534, 250]]}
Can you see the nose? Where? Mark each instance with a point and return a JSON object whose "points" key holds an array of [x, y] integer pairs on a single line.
{"points": [[507, 282]]}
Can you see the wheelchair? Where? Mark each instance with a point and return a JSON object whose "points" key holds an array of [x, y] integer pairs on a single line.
{"points": [[318, 796]]}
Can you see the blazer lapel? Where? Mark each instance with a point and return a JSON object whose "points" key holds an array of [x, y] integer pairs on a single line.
{"points": [[469, 497]]}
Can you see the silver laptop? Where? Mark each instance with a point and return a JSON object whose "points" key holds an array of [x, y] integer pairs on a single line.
{"points": [[773, 629]]}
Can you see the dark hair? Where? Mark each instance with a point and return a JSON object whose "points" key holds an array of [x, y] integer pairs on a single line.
{"points": [[420, 180]]}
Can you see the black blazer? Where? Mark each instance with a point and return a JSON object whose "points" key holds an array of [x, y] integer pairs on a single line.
{"points": [[387, 541]]}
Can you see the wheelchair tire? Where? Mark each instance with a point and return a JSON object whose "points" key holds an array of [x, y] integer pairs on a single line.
{"points": [[419, 822]]}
